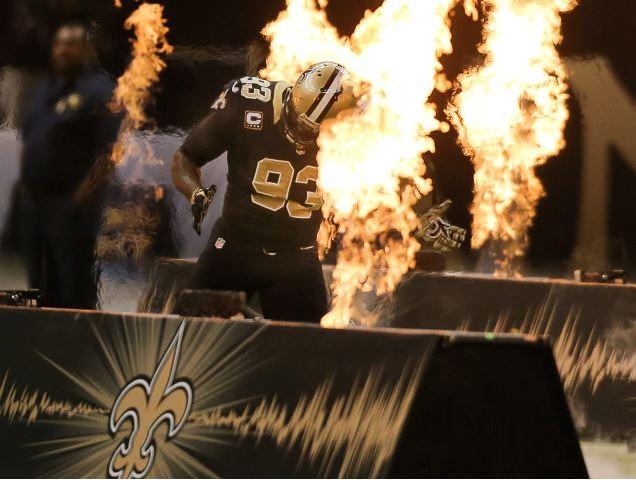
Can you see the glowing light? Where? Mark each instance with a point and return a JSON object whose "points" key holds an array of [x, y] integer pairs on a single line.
{"points": [[510, 114], [371, 165], [127, 232]]}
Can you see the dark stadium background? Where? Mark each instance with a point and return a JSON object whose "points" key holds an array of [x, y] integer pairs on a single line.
{"points": [[595, 28]]}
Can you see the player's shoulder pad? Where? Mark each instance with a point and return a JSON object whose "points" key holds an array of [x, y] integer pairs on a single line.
{"points": [[256, 99], [254, 90], [278, 100], [245, 92], [227, 96]]}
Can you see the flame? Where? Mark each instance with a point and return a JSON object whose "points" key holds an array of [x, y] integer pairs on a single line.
{"points": [[510, 115], [134, 86], [371, 165]]}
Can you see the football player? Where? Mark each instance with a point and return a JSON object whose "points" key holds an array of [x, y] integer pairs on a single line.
{"points": [[265, 240]]}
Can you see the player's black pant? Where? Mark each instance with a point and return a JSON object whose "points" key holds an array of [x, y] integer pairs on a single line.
{"points": [[290, 284]]}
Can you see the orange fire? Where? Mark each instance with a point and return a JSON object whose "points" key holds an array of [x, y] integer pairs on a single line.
{"points": [[371, 165], [510, 114], [134, 86]]}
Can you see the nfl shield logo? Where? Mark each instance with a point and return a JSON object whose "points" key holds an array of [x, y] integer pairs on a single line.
{"points": [[219, 243]]}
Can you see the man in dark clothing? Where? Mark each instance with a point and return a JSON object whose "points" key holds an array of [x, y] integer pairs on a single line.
{"points": [[65, 130]]}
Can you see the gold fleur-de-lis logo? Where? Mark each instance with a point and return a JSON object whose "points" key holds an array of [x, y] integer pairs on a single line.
{"points": [[147, 405]]}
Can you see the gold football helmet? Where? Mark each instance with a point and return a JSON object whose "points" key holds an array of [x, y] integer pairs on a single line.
{"points": [[319, 93]]}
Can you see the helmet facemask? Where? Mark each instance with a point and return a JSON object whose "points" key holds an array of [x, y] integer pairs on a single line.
{"points": [[298, 127], [313, 98]]}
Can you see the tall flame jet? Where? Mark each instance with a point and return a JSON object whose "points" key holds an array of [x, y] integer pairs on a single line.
{"points": [[510, 114], [134, 87], [150, 43], [371, 158]]}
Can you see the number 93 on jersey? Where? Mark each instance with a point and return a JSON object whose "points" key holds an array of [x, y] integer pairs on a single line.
{"points": [[272, 182]]}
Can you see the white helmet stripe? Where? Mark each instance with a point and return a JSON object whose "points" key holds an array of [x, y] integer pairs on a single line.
{"points": [[326, 102]]}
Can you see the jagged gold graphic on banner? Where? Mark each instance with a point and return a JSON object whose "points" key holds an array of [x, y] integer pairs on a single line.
{"points": [[363, 426], [590, 360], [582, 359], [350, 433], [24, 405]]}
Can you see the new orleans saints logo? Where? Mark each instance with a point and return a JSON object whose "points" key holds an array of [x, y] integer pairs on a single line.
{"points": [[146, 406]]}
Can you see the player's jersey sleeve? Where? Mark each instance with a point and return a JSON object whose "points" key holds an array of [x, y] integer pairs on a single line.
{"points": [[213, 135]]}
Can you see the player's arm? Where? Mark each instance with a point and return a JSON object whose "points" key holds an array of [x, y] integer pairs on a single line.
{"points": [[185, 174], [207, 140]]}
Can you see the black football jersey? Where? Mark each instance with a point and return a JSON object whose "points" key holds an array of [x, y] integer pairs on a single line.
{"points": [[271, 196]]}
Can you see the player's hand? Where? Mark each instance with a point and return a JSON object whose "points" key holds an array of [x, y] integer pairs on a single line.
{"points": [[438, 232], [200, 202]]}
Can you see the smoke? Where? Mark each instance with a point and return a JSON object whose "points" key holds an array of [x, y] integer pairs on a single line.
{"points": [[192, 56]]}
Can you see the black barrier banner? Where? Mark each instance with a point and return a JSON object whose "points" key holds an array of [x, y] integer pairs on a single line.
{"points": [[107, 395], [93, 394], [591, 326]]}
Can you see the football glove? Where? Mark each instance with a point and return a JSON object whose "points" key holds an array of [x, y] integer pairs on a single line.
{"points": [[200, 202], [438, 232]]}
